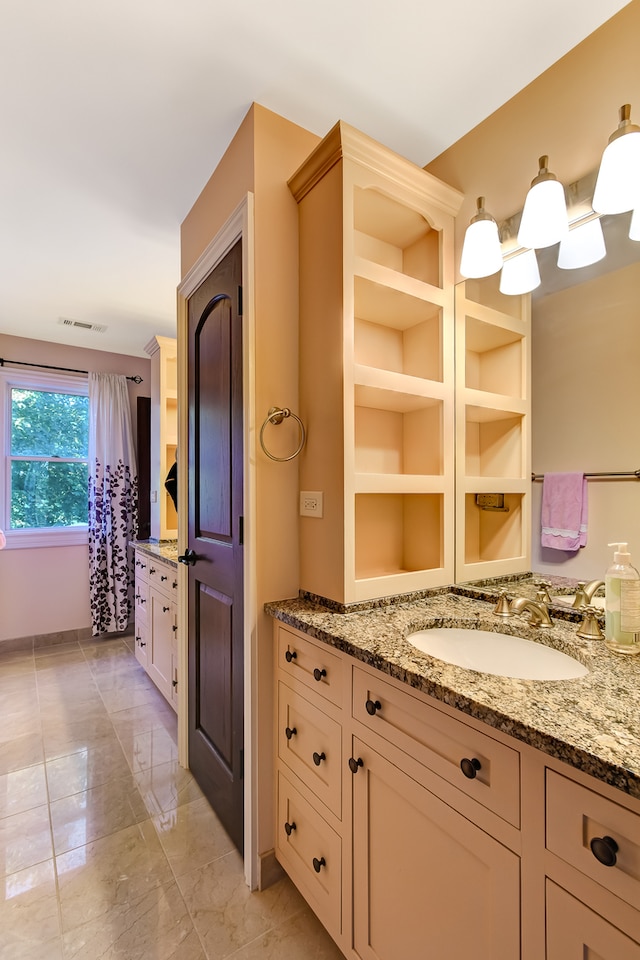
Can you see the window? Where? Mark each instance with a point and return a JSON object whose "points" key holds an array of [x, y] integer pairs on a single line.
{"points": [[46, 435]]}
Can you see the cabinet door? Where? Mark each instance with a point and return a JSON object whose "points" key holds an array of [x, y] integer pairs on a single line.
{"points": [[162, 620], [428, 884], [574, 932]]}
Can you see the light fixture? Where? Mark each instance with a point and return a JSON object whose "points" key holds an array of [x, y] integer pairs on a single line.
{"points": [[481, 253], [583, 245], [520, 274], [618, 184], [634, 229], [544, 218]]}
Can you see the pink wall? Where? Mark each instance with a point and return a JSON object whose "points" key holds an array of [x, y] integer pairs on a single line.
{"points": [[46, 589]]}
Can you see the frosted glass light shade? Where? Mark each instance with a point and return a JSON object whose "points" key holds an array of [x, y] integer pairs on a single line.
{"points": [[544, 218], [582, 245], [618, 184], [520, 274], [634, 229], [481, 252]]}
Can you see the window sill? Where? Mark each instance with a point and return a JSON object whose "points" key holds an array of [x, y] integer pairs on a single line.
{"points": [[49, 537]]}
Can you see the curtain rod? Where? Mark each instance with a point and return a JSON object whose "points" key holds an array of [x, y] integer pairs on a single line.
{"points": [[628, 473], [48, 366]]}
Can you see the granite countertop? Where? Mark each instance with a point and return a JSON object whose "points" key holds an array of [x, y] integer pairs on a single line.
{"points": [[591, 723], [162, 549]]}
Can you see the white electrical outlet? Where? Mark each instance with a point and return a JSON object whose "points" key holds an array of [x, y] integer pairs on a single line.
{"points": [[310, 503]]}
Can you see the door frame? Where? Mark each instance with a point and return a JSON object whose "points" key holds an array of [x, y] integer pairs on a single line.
{"points": [[239, 225]]}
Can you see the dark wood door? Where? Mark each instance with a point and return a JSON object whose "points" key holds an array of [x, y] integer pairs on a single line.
{"points": [[216, 727]]}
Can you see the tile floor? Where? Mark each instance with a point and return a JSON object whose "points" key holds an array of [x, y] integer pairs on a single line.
{"points": [[108, 849]]}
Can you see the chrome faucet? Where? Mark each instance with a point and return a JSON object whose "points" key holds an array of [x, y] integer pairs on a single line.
{"points": [[537, 610]]}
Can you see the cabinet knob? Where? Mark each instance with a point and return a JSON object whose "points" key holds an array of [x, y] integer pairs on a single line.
{"points": [[142, 644], [174, 683], [289, 828], [470, 767], [290, 732], [319, 757], [163, 578], [354, 764], [290, 655], [604, 849], [371, 706], [318, 864], [174, 584], [165, 609], [319, 674], [152, 570]]}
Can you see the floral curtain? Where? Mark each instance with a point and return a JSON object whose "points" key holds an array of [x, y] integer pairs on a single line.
{"points": [[113, 503]]}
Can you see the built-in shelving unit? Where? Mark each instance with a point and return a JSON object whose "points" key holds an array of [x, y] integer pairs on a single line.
{"points": [[164, 433], [493, 411], [376, 370]]}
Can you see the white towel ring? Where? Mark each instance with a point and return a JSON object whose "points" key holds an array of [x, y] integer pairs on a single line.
{"points": [[276, 415]]}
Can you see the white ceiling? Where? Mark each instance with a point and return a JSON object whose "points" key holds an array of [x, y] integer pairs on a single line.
{"points": [[114, 115]]}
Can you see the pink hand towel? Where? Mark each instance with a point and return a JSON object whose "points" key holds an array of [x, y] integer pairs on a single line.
{"points": [[564, 511]]}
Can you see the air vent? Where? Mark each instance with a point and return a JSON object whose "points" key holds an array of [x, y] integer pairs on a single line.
{"points": [[95, 327]]}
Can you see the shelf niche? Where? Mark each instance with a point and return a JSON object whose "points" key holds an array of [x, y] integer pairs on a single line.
{"points": [[397, 534], [398, 442], [493, 535], [493, 443], [493, 358]]}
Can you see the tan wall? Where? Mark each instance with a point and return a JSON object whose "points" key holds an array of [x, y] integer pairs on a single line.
{"points": [[262, 156], [46, 589], [568, 113]]}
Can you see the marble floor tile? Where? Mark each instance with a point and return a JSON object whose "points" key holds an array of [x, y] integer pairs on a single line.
{"points": [[25, 840], [88, 767], [66, 736], [96, 813], [154, 926], [225, 912], [167, 786], [301, 938], [148, 716], [21, 751], [44, 653], [29, 918], [133, 695], [191, 836], [146, 750], [108, 874], [22, 790]]}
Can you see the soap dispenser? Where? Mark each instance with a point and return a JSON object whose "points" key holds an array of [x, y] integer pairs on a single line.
{"points": [[622, 603]]}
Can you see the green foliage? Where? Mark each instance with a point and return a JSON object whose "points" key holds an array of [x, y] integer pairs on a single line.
{"points": [[44, 492]]}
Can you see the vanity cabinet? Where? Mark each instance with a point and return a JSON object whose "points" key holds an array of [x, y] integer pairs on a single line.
{"points": [[418, 832], [376, 369], [493, 433], [156, 622]]}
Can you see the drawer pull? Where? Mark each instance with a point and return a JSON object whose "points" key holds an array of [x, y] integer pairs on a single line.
{"points": [[470, 767], [290, 655], [163, 578], [290, 732], [604, 849], [319, 674], [174, 584], [289, 828], [142, 644], [355, 764], [318, 864], [319, 757], [371, 706], [165, 609]]}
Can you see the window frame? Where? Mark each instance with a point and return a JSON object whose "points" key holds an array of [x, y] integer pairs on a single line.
{"points": [[42, 381]]}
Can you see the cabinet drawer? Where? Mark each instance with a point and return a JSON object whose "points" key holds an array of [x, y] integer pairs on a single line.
{"points": [[141, 565], [311, 663], [311, 853], [574, 932], [447, 746], [309, 743], [163, 577], [141, 597], [576, 817], [141, 633]]}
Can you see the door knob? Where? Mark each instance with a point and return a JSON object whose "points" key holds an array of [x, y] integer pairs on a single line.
{"points": [[189, 557]]}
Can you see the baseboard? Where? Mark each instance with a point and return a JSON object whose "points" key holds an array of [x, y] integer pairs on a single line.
{"points": [[27, 645]]}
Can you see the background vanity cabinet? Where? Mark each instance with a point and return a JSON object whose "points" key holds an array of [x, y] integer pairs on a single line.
{"points": [[493, 434], [376, 369], [156, 591]]}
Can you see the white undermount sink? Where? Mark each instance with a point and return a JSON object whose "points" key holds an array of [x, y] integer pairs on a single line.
{"points": [[497, 653]]}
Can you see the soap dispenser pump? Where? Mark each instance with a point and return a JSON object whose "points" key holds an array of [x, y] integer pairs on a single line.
{"points": [[622, 603]]}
